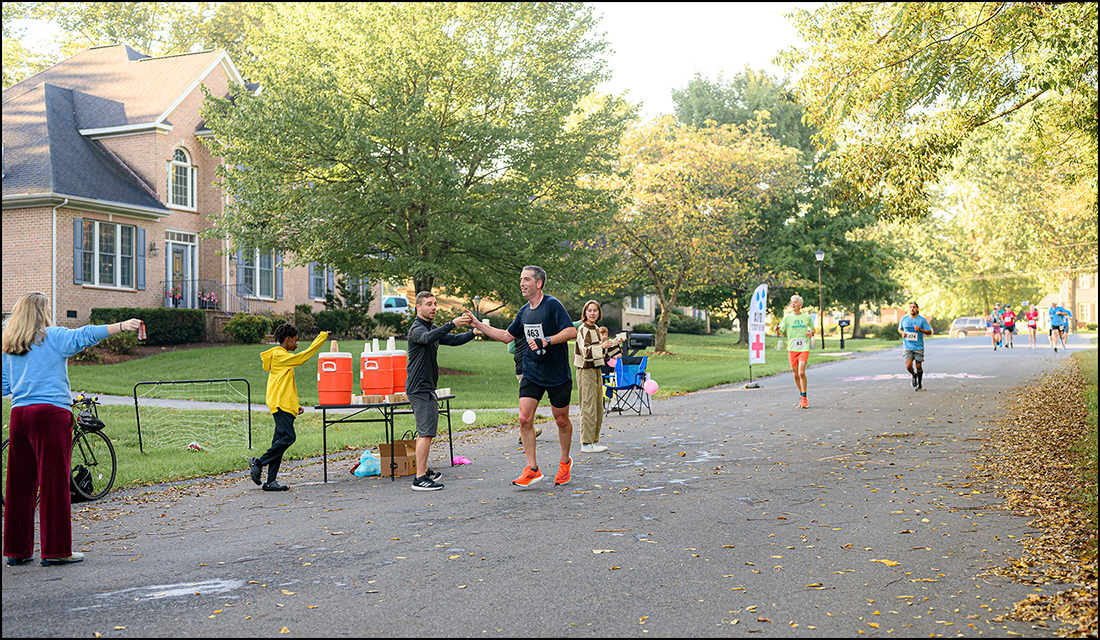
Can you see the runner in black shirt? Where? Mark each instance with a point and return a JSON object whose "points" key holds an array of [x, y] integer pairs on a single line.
{"points": [[544, 323]]}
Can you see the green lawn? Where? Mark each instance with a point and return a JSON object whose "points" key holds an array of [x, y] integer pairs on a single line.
{"points": [[487, 382], [488, 379]]}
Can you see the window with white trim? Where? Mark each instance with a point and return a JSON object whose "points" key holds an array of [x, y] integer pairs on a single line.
{"points": [[1084, 312], [636, 304], [256, 270], [1085, 281], [181, 180], [108, 254]]}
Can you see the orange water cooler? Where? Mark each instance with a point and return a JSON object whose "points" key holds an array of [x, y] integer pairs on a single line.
{"points": [[334, 378], [400, 370], [376, 373]]}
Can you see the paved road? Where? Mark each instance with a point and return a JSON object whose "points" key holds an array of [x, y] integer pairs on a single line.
{"points": [[726, 512]]}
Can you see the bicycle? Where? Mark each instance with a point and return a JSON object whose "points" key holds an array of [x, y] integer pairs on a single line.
{"points": [[90, 477]]}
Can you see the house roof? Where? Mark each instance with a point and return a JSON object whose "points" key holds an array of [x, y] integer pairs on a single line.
{"points": [[50, 119], [44, 153], [117, 86]]}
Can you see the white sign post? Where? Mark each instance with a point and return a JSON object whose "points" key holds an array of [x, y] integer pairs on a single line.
{"points": [[758, 313]]}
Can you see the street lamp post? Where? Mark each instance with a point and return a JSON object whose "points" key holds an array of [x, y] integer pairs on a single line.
{"points": [[820, 255]]}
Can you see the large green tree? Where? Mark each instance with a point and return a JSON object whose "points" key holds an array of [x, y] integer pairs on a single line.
{"points": [[897, 87], [152, 28], [447, 143], [688, 218], [788, 229]]}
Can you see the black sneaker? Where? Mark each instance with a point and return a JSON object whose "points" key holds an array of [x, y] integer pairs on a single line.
{"points": [[255, 469], [432, 475], [15, 562], [422, 483], [915, 381], [275, 486]]}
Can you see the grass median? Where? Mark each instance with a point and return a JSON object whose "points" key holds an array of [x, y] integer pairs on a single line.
{"points": [[481, 374]]}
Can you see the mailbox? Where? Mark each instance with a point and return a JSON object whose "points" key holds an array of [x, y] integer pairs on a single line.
{"points": [[844, 323]]}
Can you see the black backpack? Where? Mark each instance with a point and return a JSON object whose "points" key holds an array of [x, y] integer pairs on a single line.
{"points": [[81, 478]]}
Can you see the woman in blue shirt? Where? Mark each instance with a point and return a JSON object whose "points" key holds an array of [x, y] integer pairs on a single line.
{"points": [[35, 374]]}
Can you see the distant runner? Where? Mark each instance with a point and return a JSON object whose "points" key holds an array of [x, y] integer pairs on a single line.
{"points": [[1032, 318], [994, 324], [1057, 320], [1009, 320], [798, 328], [913, 328]]}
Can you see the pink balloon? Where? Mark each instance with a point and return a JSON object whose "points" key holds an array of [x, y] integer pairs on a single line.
{"points": [[650, 387], [612, 362]]}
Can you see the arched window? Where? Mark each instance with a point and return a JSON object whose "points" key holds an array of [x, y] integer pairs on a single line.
{"points": [[181, 180]]}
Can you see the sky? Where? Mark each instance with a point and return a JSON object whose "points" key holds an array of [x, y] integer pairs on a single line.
{"points": [[660, 46]]}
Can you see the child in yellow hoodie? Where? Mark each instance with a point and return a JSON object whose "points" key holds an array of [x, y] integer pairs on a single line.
{"points": [[282, 399]]}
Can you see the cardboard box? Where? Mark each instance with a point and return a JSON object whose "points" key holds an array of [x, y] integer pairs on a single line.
{"points": [[401, 452]]}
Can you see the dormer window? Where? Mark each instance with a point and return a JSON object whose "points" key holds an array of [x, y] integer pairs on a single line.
{"points": [[181, 181]]}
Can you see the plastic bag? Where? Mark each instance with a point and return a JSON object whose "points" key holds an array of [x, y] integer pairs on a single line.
{"points": [[369, 465]]}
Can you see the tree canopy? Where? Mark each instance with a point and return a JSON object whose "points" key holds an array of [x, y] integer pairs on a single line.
{"points": [[453, 143], [898, 87], [690, 195]]}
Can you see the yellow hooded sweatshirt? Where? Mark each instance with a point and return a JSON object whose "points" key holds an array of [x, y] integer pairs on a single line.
{"points": [[282, 392]]}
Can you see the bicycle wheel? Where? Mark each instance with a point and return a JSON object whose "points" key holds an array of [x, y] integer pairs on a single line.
{"points": [[95, 452]]}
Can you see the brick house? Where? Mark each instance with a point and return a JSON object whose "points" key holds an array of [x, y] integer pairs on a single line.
{"points": [[107, 187]]}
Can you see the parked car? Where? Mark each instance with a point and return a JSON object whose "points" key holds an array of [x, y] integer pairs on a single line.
{"points": [[396, 304], [969, 324]]}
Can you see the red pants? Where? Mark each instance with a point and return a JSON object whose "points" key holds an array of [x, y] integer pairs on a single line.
{"points": [[40, 447]]}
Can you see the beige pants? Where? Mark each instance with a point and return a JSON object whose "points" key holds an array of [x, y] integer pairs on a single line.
{"points": [[590, 392]]}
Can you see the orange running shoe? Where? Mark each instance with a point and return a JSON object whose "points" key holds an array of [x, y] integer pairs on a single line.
{"points": [[803, 403], [563, 472], [528, 478]]}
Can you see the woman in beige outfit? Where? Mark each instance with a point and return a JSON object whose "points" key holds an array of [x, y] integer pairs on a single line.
{"points": [[589, 354]]}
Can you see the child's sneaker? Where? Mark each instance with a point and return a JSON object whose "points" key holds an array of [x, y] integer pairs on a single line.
{"points": [[528, 477], [563, 472]]}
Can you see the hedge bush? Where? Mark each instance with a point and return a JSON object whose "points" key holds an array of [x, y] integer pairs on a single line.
{"points": [[684, 324], [247, 328], [162, 325], [888, 331], [121, 344], [643, 327], [399, 323], [335, 321]]}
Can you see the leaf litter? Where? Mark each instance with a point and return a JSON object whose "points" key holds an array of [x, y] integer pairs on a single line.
{"points": [[1031, 454]]}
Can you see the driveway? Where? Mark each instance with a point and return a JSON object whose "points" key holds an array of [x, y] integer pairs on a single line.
{"points": [[727, 512]]}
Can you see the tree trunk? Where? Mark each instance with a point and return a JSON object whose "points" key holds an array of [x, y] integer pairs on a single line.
{"points": [[424, 283], [856, 332], [1071, 302], [741, 312]]}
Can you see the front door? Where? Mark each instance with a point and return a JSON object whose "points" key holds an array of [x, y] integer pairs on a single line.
{"points": [[181, 291]]}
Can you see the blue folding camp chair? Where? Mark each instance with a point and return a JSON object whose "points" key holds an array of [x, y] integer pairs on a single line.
{"points": [[623, 390]]}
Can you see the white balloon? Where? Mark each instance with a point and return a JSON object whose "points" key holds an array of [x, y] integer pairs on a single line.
{"points": [[468, 417]]}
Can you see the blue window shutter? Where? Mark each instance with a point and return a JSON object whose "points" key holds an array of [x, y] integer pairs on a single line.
{"points": [[78, 251], [278, 275], [139, 260], [330, 280]]}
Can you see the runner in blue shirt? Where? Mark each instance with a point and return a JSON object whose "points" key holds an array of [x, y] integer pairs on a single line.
{"points": [[1058, 322], [913, 328]]}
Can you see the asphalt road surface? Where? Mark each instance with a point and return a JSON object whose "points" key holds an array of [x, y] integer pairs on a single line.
{"points": [[727, 512]]}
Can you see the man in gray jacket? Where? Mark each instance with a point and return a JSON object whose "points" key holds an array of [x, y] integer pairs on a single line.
{"points": [[423, 375]]}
